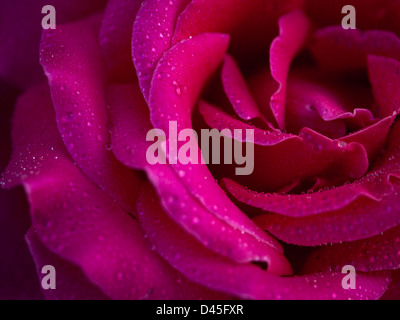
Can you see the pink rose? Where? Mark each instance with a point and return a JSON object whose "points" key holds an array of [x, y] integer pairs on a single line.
{"points": [[321, 100]]}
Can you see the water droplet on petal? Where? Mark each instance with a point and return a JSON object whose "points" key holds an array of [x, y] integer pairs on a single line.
{"points": [[69, 116]]}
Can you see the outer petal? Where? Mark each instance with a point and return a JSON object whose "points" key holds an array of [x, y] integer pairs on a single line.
{"points": [[213, 233], [335, 104], [115, 38], [78, 222], [71, 58], [17, 277], [243, 280], [152, 34], [71, 283], [381, 252], [130, 121]]}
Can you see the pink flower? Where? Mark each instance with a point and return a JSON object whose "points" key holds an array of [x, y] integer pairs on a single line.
{"points": [[322, 102]]}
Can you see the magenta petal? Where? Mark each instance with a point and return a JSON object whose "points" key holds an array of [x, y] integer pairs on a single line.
{"points": [[237, 92], [210, 231], [20, 35], [298, 205], [152, 34], [213, 231], [29, 149], [174, 86], [384, 75], [381, 252], [71, 283], [71, 58], [301, 113], [334, 106], [302, 205], [286, 158], [243, 280], [115, 38], [130, 121], [356, 221], [218, 119], [362, 218], [346, 50], [77, 221], [294, 30], [373, 138]]}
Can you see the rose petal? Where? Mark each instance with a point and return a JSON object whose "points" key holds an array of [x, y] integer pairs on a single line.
{"points": [[71, 283], [78, 222], [115, 38], [209, 229], [342, 50], [294, 30], [243, 280], [174, 86], [286, 157], [300, 115], [334, 105], [71, 58], [262, 87], [381, 252], [384, 75], [237, 92], [130, 121], [91, 231], [29, 149], [152, 34], [373, 138], [213, 233], [361, 219], [325, 200]]}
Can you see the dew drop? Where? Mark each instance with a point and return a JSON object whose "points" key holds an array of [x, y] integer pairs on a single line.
{"points": [[196, 220], [181, 173], [69, 116]]}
